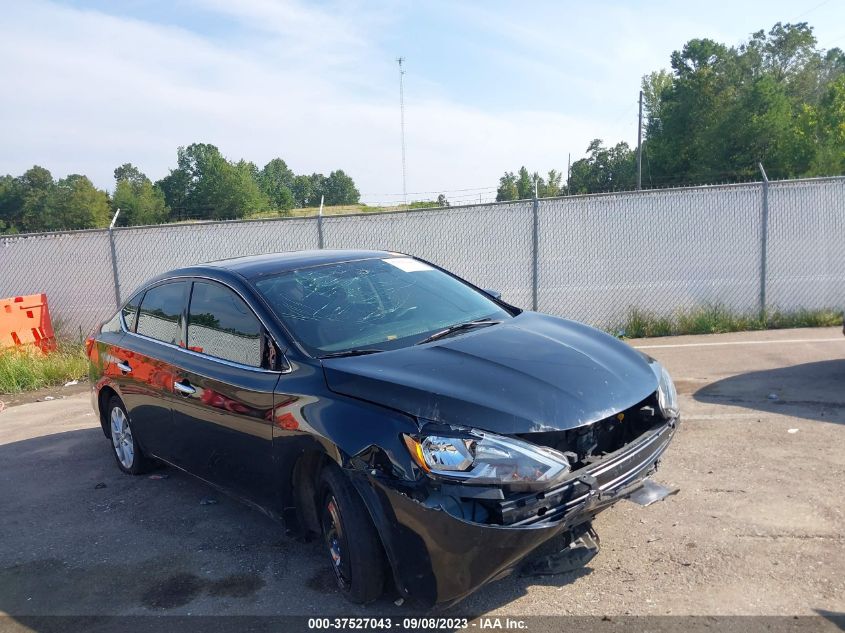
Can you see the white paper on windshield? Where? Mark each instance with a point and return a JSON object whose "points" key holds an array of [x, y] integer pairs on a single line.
{"points": [[407, 264]]}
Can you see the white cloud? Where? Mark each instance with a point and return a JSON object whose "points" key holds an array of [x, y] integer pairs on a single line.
{"points": [[84, 91], [90, 91]]}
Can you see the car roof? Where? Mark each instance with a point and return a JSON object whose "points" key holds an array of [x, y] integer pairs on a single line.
{"points": [[272, 263]]}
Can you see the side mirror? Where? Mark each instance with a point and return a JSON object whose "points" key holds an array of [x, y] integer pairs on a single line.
{"points": [[493, 293]]}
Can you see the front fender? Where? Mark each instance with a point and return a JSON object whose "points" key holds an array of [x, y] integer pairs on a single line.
{"points": [[437, 558]]}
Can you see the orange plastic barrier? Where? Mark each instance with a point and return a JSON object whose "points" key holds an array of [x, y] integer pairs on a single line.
{"points": [[26, 321]]}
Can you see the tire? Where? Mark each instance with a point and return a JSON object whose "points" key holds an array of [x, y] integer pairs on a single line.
{"points": [[352, 543], [128, 455]]}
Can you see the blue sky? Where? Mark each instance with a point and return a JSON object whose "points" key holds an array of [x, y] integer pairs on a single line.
{"points": [[489, 85]]}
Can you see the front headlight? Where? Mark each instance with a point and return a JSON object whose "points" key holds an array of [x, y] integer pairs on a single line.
{"points": [[667, 396], [481, 458]]}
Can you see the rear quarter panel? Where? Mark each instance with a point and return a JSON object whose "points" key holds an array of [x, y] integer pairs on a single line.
{"points": [[101, 369]]}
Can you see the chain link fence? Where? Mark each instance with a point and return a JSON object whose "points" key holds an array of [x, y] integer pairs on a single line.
{"points": [[658, 251], [806, 244], [592, 258], [74, 269]]}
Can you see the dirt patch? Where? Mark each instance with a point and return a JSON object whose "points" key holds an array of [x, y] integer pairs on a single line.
{"points": [[39, 395]]}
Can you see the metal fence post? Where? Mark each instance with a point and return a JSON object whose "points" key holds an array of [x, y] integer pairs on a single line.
{"points": [[764, 240], [114, 268], [535, 254], [320, 225]]}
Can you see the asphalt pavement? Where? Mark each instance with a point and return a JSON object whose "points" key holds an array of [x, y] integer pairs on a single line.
{"points": [[756, 529]]}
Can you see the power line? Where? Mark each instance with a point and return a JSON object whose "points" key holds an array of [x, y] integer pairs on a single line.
{"points": [[819, 5]]}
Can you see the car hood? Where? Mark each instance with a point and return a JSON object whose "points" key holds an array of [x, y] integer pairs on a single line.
{"points": [[532, 373]]}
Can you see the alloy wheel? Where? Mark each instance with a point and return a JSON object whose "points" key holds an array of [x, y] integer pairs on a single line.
{"points": [[334, 538], [121, 437]]}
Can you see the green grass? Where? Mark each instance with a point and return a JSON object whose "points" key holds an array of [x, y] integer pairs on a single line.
{"points": [[716, 319], [27, 368], [309, 212]]}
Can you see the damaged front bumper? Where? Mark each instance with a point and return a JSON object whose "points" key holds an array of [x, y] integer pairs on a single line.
{"points": [[439, 558]]}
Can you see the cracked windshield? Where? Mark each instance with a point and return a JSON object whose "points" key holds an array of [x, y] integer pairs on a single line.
{"points": [[400, 300]]}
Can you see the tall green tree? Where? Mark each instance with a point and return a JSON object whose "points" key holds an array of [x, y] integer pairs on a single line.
{"points": [[507, 188], [521, 185], [276, 181], [317, 183], [38, 197], [11, 203], [524, 184], [139, 200], [551, 185], [128, 172], [78, 204], [604, 169], [339, 189], [302, 191], [34, 202], [206, 185], [827, 126], [724, 109]]}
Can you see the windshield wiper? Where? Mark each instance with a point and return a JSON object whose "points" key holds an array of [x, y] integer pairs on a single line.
{"points": [[351, 352], [458, 327]]}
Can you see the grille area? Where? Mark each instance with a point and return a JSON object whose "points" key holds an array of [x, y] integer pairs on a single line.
{"points": [[584, 444]]}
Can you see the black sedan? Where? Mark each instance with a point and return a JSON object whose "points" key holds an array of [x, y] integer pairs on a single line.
{"points": [[431, 434]]}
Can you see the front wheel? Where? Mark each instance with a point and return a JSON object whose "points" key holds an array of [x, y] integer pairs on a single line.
{"points": [[130, 459], [353, 545]]}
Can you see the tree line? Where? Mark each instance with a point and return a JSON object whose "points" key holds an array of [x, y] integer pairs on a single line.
{"points": [[776, 99], [204, 185]]}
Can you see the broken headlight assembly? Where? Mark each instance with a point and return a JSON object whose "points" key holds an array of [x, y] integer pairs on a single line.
{"points": [[667, 396], [481, 458]]}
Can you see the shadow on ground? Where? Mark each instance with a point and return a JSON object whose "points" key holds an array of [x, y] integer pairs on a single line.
{"points": [[813, 391], [83, 539]]}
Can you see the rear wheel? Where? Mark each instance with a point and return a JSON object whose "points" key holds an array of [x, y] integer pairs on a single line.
{"points": [[130, 459], [353, 545]]}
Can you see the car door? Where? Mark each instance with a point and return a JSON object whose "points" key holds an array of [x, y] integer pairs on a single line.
{"points": [[224, 411], [142, 363]]}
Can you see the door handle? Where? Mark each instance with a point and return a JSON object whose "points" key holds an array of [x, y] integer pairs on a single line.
{"points": [[123, 366], [184, 388]]}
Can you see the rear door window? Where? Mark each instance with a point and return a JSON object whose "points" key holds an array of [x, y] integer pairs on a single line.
{"points": [[130, 311], [160, 316], [222, 325]]}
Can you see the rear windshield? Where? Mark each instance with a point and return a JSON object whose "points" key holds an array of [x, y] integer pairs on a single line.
{"points": [[374, 303]]}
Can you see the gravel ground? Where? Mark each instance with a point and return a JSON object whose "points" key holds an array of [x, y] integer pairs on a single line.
{"points": [[757, 528]]}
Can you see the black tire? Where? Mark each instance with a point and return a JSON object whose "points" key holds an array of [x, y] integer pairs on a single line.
{"points": [[355, 552], [125, 449]]}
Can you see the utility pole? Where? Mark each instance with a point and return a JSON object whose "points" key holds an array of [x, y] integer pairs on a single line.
{"points": [[640, 145], [402, 118]]}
